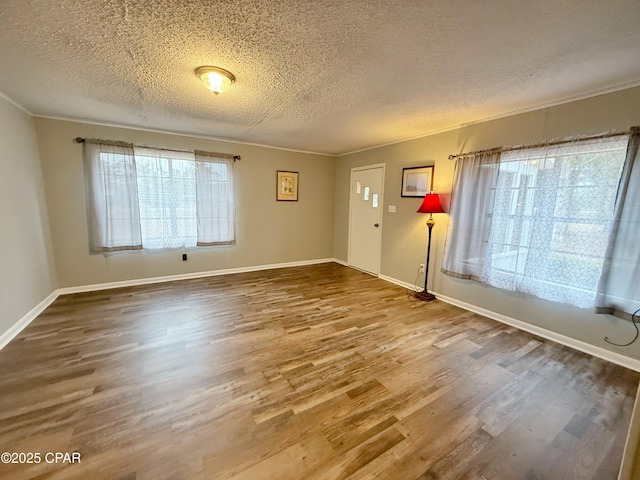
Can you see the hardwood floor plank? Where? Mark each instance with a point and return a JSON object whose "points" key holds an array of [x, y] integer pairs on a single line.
{"points": [[348, 464], [294, 462], [453, 464]]}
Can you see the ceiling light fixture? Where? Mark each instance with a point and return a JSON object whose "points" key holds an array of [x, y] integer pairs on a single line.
{"points": [[215, 79]]}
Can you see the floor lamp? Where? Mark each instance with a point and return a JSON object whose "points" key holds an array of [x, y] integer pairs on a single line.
{"points": [[431, 204]]}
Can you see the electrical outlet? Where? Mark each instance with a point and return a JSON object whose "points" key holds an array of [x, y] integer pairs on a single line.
{"points": [[184, 257], [422, 268]]}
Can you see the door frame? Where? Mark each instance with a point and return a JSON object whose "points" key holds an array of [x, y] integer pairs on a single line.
{"points": [[382, 203]]}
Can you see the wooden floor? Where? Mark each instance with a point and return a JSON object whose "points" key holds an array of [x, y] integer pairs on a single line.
{"points": [[318, 372]]}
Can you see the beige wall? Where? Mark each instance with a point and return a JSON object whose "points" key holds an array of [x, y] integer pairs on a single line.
{"points": [[267, 231], [27, 272], [404, 235]]}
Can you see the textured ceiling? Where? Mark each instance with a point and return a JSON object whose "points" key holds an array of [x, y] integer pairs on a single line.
{"points": [[320, 76]]}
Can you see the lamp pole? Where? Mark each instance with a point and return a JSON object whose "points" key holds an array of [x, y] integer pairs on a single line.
{"points": [[425, 295]]}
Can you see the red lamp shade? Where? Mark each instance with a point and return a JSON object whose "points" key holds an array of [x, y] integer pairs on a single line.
{"points": [[431, 204]]}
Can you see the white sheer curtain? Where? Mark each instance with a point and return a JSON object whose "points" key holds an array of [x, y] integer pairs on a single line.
{"points": [[112, 197], [552, 217], [215, 199], [469, 221], [167, 197], [619, 286], [536, 220]]}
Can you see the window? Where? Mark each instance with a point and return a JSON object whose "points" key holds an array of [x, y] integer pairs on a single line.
{"points": [[166, 198], [547, 215], [152, 198]]}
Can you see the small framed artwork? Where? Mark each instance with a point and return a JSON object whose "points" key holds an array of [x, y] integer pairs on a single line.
{"points": [[287, 186], [416, 181]]}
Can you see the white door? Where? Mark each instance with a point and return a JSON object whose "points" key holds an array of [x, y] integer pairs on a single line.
{"points": [[365, 220]]}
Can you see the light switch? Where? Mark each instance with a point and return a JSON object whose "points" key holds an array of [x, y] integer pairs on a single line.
{"points": [[392, 209]]}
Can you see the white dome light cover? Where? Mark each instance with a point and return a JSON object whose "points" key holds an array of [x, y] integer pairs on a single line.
{"points": [[215, 79]]}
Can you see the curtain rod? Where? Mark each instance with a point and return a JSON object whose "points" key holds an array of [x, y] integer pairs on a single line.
{"points": [[235, 157], [543, 144]]}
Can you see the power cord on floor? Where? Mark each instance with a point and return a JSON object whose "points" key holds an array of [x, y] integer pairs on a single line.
{"points": [[633, 319], [410, 293]]}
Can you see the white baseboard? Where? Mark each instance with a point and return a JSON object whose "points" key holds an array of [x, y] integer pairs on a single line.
{"points": [[21, 324], [613, 357], [400, 283], [188, 276]]}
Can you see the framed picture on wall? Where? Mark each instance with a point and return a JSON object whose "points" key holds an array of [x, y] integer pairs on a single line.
{"points": [[287, 186], [416, 181]]}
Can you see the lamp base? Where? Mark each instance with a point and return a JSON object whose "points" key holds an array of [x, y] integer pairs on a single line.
{"points": [[424, 296]]}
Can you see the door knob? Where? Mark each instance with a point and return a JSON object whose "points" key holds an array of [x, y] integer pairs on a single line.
{"points": [[376, 225]]}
